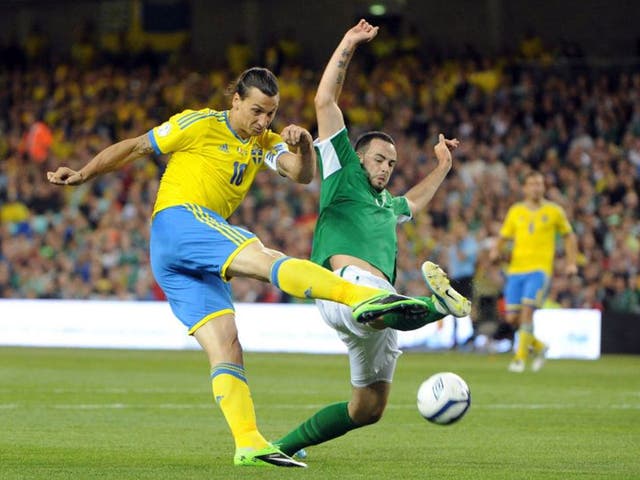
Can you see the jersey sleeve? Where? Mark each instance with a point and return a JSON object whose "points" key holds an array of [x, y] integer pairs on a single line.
{"points": [[273, 146], [508, 228], [401, 209], [334, 153], [175, 134]]}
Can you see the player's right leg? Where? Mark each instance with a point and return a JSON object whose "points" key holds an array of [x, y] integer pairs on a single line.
{"points": [[218, 337], [304, 279], [186, 248]]}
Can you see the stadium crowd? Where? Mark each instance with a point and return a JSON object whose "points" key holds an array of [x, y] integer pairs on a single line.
{"points": [[579, 126]]}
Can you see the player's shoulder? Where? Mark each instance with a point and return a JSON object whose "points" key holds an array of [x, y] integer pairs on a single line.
{"points": [[339, 135], [552, 206], [188, 119], [517, 207]]}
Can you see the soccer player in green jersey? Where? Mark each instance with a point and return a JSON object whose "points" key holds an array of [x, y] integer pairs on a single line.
{"points": [[356, 237]]}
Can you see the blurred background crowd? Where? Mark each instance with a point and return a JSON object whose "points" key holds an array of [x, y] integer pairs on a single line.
{"points": [[539, 107]]}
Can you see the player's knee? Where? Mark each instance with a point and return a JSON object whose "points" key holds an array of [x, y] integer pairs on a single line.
{"points": [[274, 254], [368, 414], [373, 417]]}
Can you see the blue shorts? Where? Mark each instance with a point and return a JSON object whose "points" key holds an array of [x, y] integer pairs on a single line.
{"points": [[525, 289], [191, 248]]}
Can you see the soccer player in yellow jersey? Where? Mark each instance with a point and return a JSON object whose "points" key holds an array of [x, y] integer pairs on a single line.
{"points": [[532, 225], [215, 156]]}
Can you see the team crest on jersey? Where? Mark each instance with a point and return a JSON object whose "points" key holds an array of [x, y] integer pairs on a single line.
{"points": [[164, 129], [257, 155]]}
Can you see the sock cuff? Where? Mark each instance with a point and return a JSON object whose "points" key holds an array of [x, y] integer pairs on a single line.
{"points": [[347, 417], [274, 270], [228, 369]]}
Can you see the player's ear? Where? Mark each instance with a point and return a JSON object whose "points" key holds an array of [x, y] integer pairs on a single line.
{"points": [[235, 101]]}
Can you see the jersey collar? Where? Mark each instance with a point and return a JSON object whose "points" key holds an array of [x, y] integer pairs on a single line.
{"points": [[235, 134]]}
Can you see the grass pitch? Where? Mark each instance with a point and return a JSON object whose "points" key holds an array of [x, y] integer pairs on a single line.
{"points": [[85, 414]]}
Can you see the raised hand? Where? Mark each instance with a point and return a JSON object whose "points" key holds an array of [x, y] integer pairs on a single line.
{"points": [[363, 32], [296, 136], [443, 149]]}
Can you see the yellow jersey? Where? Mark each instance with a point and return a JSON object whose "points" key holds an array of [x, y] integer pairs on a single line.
{"points": [[534, 235], [210, 164]]}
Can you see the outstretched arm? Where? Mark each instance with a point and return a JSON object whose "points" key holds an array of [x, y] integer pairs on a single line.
{"points": [[328, 113], [108, 160], [421, 194]]}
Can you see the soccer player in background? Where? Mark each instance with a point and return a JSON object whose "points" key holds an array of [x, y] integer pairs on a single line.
{"points": [[532, 225], [356, 237], [215, 156]]}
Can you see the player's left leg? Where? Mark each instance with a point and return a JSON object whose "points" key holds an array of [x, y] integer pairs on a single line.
{"points": [[304, 279], [513, 299], [533, 293]]}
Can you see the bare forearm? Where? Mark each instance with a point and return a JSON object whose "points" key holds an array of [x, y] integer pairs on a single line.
{"points": [[421, 194], [307, 164], [115, 156], [335, 72]]}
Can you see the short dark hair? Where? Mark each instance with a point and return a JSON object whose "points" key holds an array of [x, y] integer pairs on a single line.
{"points": [[529, 174], [261, 78], [363, 141]]}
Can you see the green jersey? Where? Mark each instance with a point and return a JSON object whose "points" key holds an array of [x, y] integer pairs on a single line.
{"points": [[355, 219]]}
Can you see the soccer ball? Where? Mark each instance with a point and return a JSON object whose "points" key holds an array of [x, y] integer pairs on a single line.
{"points": [[443, 398]]}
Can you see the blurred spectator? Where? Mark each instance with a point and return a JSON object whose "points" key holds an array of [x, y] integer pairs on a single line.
{"points": [[625, 298], [582, 130], [239, 55], [37, 139]]}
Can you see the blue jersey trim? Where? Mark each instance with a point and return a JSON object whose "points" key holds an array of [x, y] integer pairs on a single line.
{"points": [[154, 143]]}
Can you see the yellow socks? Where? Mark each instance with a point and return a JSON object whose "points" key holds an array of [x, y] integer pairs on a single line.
{"points": [[537, 345], [231, 393], [527, 341], [305, 279]]}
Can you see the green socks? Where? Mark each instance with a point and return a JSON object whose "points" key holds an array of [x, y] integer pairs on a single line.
{"points": [[331, 422]]}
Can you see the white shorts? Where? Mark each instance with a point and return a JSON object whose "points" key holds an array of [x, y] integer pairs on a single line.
{"points": [[372, 353]]}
